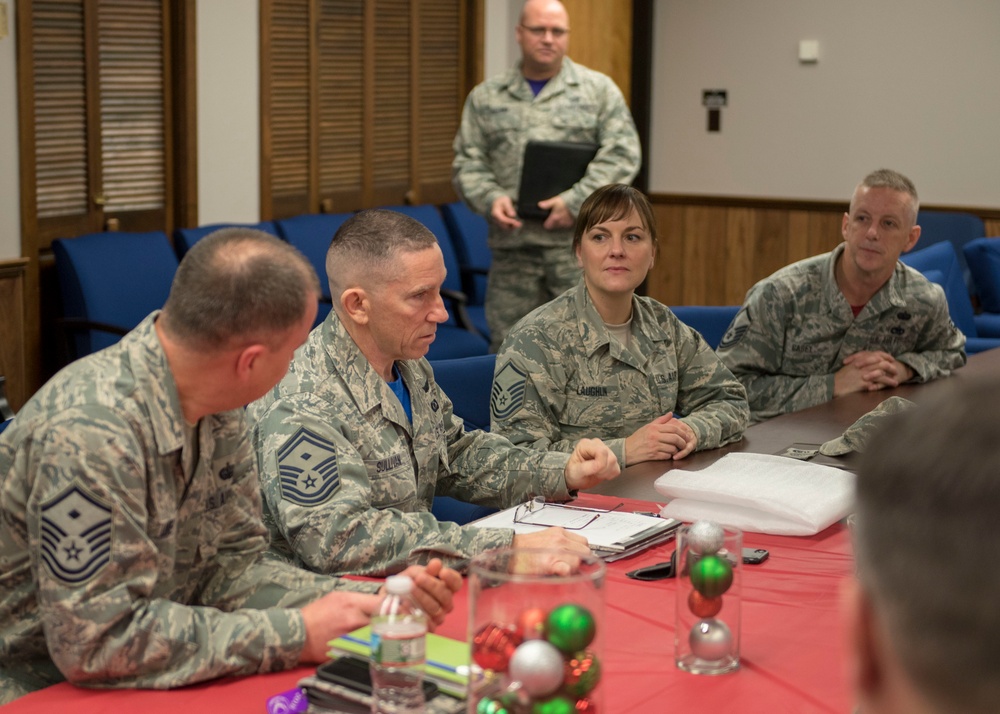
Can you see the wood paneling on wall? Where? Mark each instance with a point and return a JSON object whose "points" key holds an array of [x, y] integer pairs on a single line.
{"points": [[712, 250], [601, 38], [12, 356]]}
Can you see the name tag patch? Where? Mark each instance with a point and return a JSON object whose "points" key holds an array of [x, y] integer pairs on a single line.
{"points": [[76, 535], [307, 467]]}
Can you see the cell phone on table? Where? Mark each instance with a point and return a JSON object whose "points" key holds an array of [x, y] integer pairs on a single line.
{"points": [[755, 556], [352, 672]]}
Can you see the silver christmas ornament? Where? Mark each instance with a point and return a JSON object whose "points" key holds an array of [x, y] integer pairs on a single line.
{"points": [[538, 666], [711, 640], [705, 537]]}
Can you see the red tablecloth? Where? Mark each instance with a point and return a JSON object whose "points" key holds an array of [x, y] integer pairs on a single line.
{"points": [[793, 646]]}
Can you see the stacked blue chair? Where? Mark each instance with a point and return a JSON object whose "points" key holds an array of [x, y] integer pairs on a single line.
{"points": [[108, 283], [184, 238], [711, 321], [459, 336], [983, 258], [469, 232], [939, 264], [955, 228], [468, 382], [311, 234]]}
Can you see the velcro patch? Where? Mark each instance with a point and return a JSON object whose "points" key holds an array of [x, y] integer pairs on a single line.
{"points": [[307, 467], [508, 392], [76, 535]]}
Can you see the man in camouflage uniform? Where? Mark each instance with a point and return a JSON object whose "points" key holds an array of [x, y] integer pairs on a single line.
{"points": [[545, 97], [855, 319], [357, 439], [600, 361], [131, 540]]}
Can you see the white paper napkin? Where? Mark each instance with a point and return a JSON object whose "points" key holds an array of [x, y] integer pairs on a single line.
{"points": [[760, 493]]}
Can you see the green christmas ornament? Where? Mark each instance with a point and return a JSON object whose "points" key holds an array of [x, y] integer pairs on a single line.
{"points": [[490, 706], [711, 575], [583, 672], [570, 628], [556, 705]]}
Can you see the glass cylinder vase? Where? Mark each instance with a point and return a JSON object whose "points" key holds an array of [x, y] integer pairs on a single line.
{"points": [[709, 587], [536, 637]]}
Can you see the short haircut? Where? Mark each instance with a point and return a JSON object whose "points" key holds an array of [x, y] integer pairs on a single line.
{"points": [[366, 246], [927, 538], [887, 178], [238, 286], [614, 202]]}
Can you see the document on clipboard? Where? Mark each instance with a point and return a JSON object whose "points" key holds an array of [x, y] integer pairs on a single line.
{"points": [[611, 534]]}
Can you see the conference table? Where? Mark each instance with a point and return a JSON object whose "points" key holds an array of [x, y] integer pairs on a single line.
{"points": [[794, 655]]}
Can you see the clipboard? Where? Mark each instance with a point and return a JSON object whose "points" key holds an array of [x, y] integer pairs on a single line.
{"points": [[549, 168]]}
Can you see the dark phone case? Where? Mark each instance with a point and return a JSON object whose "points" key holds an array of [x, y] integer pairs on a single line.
{"points": [[353, 673]]}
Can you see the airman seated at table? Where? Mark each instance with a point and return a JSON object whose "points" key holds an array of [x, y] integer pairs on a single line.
{"points": [[358, 438], [132, 551], [922, 615], [601, 361], [852, 320]]}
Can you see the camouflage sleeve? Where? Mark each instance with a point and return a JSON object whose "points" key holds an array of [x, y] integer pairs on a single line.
{"points": [[753, 349], [941, 346], [107, 618], [619, 157], [339, 531], [472, 176], [712, 400]]}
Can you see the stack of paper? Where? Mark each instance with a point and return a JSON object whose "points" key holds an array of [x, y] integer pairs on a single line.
{"points": [[447, 659], [760, 493]]}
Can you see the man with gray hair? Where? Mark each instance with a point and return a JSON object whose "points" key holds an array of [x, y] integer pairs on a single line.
{"points": [[852, 320], [358, 438], [132, 551], [922, 614]]}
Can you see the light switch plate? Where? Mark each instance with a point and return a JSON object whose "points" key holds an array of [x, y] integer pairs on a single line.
{"points": [[808, 51]]}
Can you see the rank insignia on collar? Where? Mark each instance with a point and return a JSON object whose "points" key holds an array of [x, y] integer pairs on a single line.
{"points": [[307, 466]]}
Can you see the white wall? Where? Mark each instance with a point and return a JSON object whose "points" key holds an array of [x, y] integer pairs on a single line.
{"points": [[906, 84], [10, 206], [228, 111]]}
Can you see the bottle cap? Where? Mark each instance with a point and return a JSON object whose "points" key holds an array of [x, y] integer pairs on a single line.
{"points": [[398, 584]]}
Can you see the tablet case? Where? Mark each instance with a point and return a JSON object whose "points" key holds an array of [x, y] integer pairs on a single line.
{"points": [[550, 167]]}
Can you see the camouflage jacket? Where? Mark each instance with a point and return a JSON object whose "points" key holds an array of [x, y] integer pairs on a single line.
{"points": [[796, 328], [348, 481], [130, 552], [501, 115], [561, 376]]}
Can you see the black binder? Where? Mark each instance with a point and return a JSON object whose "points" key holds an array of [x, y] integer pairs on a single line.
{"points": [[550, 167]]}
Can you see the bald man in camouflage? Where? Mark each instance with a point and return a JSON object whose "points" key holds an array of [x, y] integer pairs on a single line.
{"points": [[852, 320], [131, 542]]}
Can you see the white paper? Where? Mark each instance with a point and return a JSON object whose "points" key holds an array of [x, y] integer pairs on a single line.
{"points": [[760, 493]]}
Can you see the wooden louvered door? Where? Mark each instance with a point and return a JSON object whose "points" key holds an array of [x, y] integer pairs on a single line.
{"points": [[360, 102], [95, 92]]}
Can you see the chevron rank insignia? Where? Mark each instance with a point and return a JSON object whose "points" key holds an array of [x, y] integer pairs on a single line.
{"points": [[508, 391], [75, 535], [307, 466], [738, 328]]}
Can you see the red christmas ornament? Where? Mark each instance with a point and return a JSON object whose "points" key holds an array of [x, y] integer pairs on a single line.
{"points": [[583, 672], [702, 606], [531, 623], [493, 646], [585, 706]]}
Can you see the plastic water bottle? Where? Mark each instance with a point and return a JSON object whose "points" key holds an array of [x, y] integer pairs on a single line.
{"points": [[399, 636]]}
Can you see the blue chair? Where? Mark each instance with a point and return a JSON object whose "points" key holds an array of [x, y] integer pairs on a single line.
{"points": [[184, 238], [469, 232], [939, 264], [311, 233], [108, 283], [458, 337], [983, 258], [954, 227], [5, 423], [711, 321], [6, 413], [468, 382]]}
